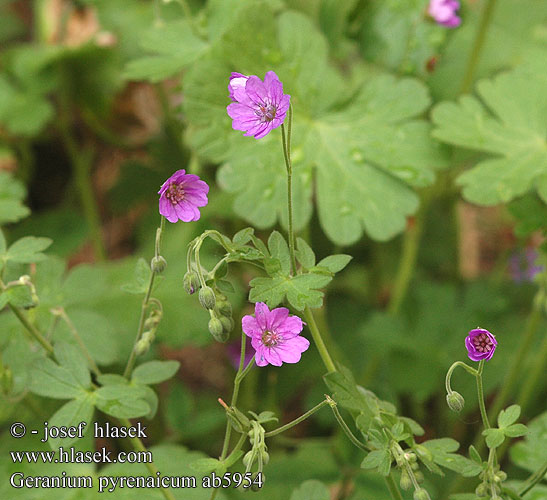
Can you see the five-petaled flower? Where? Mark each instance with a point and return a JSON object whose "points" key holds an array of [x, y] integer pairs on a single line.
{"points": [[258, 106], [444, 12], [275, 335], [480, 344], [181, 195]]}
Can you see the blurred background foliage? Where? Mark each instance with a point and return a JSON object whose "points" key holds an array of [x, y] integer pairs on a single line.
{"points": [[101, 100]]}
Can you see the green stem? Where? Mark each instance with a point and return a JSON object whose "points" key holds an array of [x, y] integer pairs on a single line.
{"points": [[240, 375], [133, 356], [480, 394], [344, 426], [62, 313], [286, 139], [139, 446], [316, 335], [411, 243], [32, 329], [455, 365], [512, 377], [478, 44], [535, 478], [392, 487], [535, 375], [296, 421]]}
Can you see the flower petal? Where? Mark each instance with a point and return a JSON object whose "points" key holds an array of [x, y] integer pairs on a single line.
{"points": [[261, 314], [291, 327], [251, 327]]}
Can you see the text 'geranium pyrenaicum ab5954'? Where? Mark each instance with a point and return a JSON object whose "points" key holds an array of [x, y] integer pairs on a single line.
{"points": [[444, 12], [259, 106], [275, 336], [480, 344], [181, 195]]}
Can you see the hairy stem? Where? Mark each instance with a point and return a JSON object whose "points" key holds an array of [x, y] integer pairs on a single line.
{"points": [[392, 487], [286, 139], [296, 421], [480, 37], [535, 478], [480, 394], [320, 344]]}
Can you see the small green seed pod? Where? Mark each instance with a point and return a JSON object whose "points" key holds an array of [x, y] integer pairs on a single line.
{"points": [[421, 494], [481, 490], [405, 481], [207, 297], [190, 282]]}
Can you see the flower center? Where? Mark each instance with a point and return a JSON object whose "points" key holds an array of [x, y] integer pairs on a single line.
{"points": [[175, 193], [271, 339], [483, 343], [266, 112]]}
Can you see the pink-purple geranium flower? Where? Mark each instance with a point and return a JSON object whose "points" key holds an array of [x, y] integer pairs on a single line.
{"points": [[181, 195], [480, 344], [275, 335], [258, 106], [445, 12]]}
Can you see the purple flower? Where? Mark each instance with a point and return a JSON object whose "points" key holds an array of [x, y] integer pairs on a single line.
{"points": [[181, 195], [259, 106], [523, 267], [275, 335], [480, 344], [444, 12]]}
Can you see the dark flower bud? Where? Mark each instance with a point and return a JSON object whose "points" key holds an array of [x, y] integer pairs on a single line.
{"points": [[190, 282], [158, 264], [227, 324], [421, 494], [207, 297], [455, 401]]}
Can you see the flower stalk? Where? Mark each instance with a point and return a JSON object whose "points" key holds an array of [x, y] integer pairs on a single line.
{"points": [[286, 139]]}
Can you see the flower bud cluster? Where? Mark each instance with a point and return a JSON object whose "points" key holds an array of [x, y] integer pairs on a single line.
{"points": [[150, 326], [492, 478], [407, 461], [259, 451]]}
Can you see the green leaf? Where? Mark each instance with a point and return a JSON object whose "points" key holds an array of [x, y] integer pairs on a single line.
{"points": [[2, 243], [12, 194], [71, 414], [380, 459], [142, 278], [508, 416], [71, 358], [515, 430], [507, 122], [4, 299], [442, 449], [335, 263], [28, 250], [206, 465], [53, 381], [494, 437], [244, 236], [280, 250], [311, 490], [19, 296], [530, 213], [122, 401], [529, 453], [474, 455], [154, 372], [304, 254], [301, 291], [174, 46]]}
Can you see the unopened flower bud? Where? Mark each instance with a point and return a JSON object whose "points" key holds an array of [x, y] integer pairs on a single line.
{"points": [[158, 264], [414, 466], [224, 308], [227, 324], [141, 347], [410, 456], [419, 476], [248, 459], [405, 481], [421, 494], [481, 490], [215, 327], [148, 336], [190, 282], [207, 297], [501, 476], [455, 401]]}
